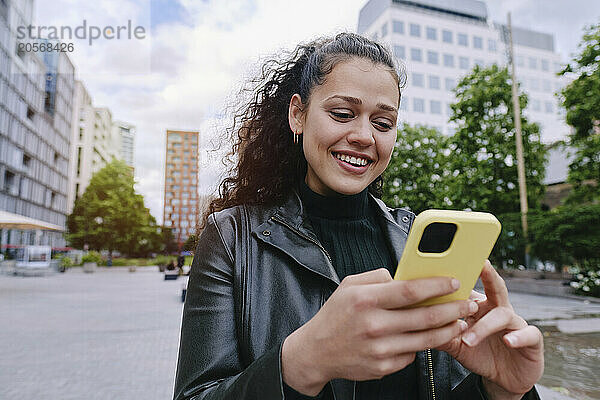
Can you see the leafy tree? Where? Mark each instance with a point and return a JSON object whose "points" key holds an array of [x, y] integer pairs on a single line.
{"points": [[416, 175], [111, 216], [483, 160], [190, 243], [168, 244], [581, 99]]}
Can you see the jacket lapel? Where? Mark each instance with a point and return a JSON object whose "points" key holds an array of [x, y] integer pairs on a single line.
{"points": [[288, 230]]}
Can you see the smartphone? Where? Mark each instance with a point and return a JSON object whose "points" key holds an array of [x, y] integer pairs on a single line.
{"points": [[448, 243]]}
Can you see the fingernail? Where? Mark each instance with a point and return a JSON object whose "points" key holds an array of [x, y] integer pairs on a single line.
{"points": [[455, 284], [473, 307], [469, 339], [463, 325], [511, 339]]}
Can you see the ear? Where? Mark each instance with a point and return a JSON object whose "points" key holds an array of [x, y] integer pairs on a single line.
{"points": [[296, 114]]}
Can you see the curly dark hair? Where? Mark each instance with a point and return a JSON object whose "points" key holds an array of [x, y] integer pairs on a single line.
{"points": [[269, 165]]}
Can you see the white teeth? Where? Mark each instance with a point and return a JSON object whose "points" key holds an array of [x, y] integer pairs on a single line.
{"points": [[352, 160]]}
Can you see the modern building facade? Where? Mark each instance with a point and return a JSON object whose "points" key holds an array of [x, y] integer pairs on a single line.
{"points": [[35, 126], [181, 184], [441, 41], [126, 134], [94, 142]]}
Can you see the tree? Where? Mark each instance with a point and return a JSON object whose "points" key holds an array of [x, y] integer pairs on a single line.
{"points": [[483, 160], [168, 244], [581, 99], [416, 175], [111, 216], [191, 243]]}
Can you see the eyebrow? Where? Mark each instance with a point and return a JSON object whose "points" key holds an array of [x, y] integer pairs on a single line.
{"points": [[357, 101]]}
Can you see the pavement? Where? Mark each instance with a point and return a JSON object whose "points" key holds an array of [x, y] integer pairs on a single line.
{"points": [[114, 334]]}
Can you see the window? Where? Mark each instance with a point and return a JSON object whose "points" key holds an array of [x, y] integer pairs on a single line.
{"points": [[492, 45], [535, 83], [416, 55], [10, 183], [546, 87], [478, 61], [418, 80], [431, 33], [548, 107], [384, 30], [536, 105], [532, 62], [418, 105], [435, 107], [398, 27], [449, 84], [449, 60], [477, 42], [447, 36], [432, 57], [399, 52], [30, 113], [462, 39], [463, 62], [434, 82], [26, 161], [415, 30], [545, 65]]}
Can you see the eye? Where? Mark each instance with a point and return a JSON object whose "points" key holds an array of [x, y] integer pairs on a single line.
{"points": [[383, 126], [341, 114]]}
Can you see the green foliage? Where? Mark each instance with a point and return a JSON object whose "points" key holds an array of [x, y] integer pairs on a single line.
{"points": [[168, 244], [111, 216], [416, 175], [569, 235], [92, 257], [509, 250], [587, 283], [190, 243], [162, 260], [581, 99], [483, 158], [66, 262]]}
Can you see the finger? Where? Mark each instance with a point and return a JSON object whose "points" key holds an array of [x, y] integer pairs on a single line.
{"points": [[391, 322], [477, 296], [432, 338], [375, 276], [530, 336], [495, 288], [498, 319], [398, 294]]}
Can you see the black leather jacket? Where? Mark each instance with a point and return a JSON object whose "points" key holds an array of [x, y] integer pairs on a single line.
{"points": [[258, 274]]}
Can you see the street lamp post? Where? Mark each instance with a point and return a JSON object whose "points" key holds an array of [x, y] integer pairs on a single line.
{"points": [[519, 143]]}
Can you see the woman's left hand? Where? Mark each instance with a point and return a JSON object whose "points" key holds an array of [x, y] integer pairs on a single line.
{"points": [[499, 345]]}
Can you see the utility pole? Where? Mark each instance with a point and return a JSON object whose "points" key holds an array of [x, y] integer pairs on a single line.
{"points": [[519, 142]]}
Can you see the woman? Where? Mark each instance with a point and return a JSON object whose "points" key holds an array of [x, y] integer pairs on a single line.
{"points": [[291, 295]]}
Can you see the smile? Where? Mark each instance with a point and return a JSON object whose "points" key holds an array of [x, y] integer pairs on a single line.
{"points": [[352, 160]]}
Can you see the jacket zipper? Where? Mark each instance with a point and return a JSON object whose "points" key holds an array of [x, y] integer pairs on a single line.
{"points": [[430, 373], [303, 235]]}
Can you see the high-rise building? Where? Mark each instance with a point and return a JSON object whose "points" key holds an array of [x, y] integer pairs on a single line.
{"points": [[440, 41], [181, 184], [126, 133], [94, 143], [35, 123]]}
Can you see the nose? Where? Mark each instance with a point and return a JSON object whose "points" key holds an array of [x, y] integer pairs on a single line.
{"points": [[361, 133]]}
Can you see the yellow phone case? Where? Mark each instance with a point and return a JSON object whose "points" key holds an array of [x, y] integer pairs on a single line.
{"points": [[472, 244]]}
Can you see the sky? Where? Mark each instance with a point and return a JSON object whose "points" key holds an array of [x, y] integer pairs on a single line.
{"points": [[196, 55]]}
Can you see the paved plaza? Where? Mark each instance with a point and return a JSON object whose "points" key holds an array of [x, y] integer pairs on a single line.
{"points": [[114, 334]]}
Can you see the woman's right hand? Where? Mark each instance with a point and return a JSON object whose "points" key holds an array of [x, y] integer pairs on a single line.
{"points": [[364, 330]]}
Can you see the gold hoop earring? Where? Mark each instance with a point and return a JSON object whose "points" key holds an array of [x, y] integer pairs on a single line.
{"points": [[296, 137]]}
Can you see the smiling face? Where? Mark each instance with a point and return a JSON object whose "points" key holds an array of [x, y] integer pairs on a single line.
{"points": [[349, 127]]}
